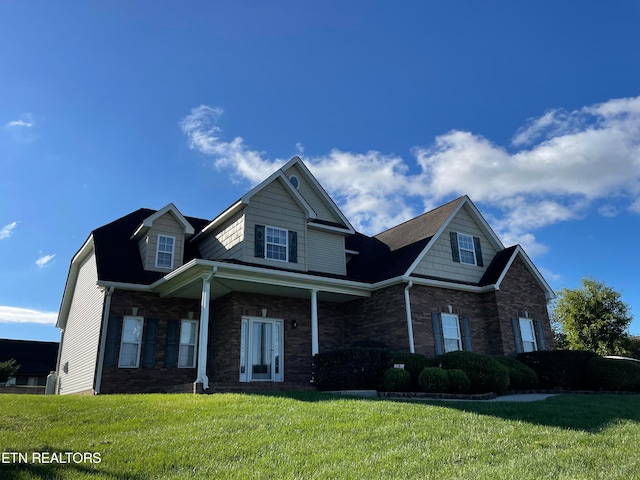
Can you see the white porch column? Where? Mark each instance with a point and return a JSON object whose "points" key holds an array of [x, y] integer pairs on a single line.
{"points": [[314, 322], [407, 304], [203, 341]]}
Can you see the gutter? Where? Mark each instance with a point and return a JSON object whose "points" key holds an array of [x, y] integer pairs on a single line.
{"points": [[103, 338]]}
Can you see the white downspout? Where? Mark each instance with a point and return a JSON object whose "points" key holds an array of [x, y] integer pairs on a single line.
{"points": [[407, 304], [314, 322], [205, 300], [103, 338]]}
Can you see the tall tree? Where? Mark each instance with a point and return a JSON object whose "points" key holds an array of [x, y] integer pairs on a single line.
{"points": [[593, 317]]}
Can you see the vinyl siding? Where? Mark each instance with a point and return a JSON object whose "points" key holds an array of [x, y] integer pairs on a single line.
{"points": [[273, 206], [164, 225], [226, 241], [326, 252], [438, 261], [81, 335], [323, 211]]}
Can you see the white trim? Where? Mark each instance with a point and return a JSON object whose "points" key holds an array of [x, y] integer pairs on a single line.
{"points": [[529, 321], [484, 226], [549, 293], [138, 343], [445, 338], [220, 219], [170, 208], [103, 339], [407, 305], [277, 365], [286, 245], [192, 363], [172, 252], [314, 322], [72, 278]]}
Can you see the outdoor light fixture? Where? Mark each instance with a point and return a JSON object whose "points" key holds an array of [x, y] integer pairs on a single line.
{"points": [[264, 312], [134, 311], [294, 323]]}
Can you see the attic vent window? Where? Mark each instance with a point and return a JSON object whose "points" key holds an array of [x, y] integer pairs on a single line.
{"points": [[294, 181]]}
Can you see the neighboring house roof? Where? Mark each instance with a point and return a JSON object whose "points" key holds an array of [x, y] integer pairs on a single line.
{"points": [[36, 359]]}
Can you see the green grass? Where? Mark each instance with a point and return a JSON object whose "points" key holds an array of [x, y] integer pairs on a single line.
{"points": [[313, 435]]}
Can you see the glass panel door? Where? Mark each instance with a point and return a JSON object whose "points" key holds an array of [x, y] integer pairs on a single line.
{"points": [[262, 351]]}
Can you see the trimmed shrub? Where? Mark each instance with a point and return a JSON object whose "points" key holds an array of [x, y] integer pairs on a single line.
{"points": [[567, 369], [397, 380], [351, 368], [433, 380], [414, 363], [485, 373], [458, 381], [521, 377], [614, 374]]}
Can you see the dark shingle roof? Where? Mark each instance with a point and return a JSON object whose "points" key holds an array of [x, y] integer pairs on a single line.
{"points": [[34, 358], [118, 256], [497, 266]]}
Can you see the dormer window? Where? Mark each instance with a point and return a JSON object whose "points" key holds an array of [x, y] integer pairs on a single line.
{"points": [[466, 249], [164, 253]]}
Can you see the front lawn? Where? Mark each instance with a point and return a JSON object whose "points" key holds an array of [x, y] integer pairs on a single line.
{"points": [[315, 435]]}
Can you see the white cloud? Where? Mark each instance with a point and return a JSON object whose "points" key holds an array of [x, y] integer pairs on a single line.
{"points": [[562, 162], [44, 260], [7, 230], [18, 123], [25, 315]]}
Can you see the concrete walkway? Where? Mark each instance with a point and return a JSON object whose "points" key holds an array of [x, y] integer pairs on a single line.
{"points": [[523, 397]]}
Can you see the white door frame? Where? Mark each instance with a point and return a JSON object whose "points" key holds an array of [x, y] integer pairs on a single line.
{"points": [[246, 349]]}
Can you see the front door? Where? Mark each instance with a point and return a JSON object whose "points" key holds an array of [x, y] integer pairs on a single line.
{"points": [[261, 356]]}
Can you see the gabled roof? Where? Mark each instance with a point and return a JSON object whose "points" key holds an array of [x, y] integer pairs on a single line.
{"points": [[170, 208]]}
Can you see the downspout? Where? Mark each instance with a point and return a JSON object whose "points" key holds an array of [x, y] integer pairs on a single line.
{"points": [[204, 329], [103, 338], [407, 304]]}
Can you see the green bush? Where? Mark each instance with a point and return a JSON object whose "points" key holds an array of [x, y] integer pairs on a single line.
{"points": [[351, 368], [567, 369], [433, 380], [458, 381], [414, 363], [8, 370], [614, 374], [521, 377], [397, 380], [485, 373]]}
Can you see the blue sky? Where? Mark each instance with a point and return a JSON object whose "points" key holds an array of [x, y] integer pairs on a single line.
{"points": [[530, 108]]}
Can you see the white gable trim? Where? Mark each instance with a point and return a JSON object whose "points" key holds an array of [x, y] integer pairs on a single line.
{"points": [[72, 278], [548, 291], [315, 185], [170, 208], [475, 213]]}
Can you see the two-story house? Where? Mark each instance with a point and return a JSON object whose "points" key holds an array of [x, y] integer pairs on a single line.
{"points": [[157, 300]]}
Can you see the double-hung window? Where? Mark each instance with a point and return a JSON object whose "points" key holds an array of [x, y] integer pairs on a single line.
{"points": [[451, 333], [276, 244], [528, 335], [466, 248], [164, 252], [131, 342], [188, 344]]}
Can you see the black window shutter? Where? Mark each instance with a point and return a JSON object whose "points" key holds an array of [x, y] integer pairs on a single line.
{"points": [[149, 345], [476, 245], [259, 241], [293, 246], [467, 343], [517, 335], [438, 339], [542, 345], [114, 328], [171, 347], [455, 253]]}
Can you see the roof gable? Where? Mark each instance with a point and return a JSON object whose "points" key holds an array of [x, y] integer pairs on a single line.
{"points": [[170, 208]]}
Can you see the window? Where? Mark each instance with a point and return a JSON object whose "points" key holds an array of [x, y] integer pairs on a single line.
{"points": [[467, 251], [164, 253], [261, 356], [130, 342], [294, 181], [451, 333], [188, 344], [528, 335], [276, 244]]}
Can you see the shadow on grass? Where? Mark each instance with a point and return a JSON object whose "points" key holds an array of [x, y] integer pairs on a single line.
{"points": [[50, 464], [586, 412]]}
